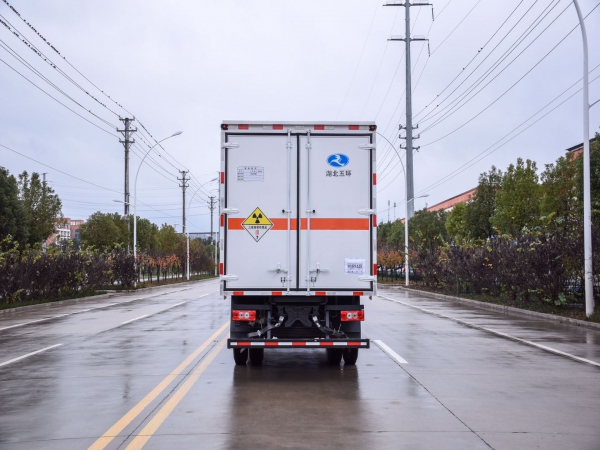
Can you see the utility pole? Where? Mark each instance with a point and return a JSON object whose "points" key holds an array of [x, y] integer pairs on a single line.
{"points": [[127, 133], [410, 185], [394, 211], [184, 186]]}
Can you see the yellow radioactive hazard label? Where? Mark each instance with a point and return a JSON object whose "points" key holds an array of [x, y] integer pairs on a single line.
{"points": [[257, 224]]}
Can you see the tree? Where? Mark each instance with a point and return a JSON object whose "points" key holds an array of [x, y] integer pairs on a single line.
{"points": [[479, 211], [167, 239], [456, 226], [13, 220], [518, 202], [42, 207], [559, 205], [427, 229], [147, 235], [104, 231]]}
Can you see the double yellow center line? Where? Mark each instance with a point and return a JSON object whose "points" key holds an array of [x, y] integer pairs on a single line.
{"points": [[141, 439]]}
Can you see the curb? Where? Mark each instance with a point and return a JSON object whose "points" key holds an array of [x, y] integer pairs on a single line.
{"points": [[508, 310], [71, 301]]}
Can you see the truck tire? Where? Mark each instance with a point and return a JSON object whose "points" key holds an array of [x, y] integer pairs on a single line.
{"points": [[334, 356], [240, 356], [350, 356], [256, 356]]}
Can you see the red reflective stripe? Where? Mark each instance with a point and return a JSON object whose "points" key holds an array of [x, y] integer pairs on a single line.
{"points": [[271, 344], [374, 269], [353, 127], [326, 344], [354, 344], [221, 269], [358, 293], [277, 293], [374, 220], [298, 344], [222, 220], [374, 179], [319, 127], [242, 127], [244, 344], [238, 293], [278, 127], [320, 293], [222, 177]]}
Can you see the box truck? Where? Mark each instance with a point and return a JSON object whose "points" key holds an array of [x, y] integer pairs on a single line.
{"points": [[298, 237]]}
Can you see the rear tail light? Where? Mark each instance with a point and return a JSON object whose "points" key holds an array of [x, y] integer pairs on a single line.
{"points": [[353, 316], [243, 315]]}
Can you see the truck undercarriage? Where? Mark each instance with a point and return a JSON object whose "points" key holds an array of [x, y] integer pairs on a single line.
{"points": [[330, 322]]}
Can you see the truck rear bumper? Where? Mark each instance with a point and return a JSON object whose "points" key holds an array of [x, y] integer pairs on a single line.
{"points": [[298, 343]]}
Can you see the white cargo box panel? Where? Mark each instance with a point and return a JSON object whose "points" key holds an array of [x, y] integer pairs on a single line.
{"points": [[298, 208]]}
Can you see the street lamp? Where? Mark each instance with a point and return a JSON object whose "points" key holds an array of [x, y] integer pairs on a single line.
{"points": [[135, 198], [587, 202]]}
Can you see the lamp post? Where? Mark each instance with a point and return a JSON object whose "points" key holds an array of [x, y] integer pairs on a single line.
{"points": [[135, 198], [587, 202]]}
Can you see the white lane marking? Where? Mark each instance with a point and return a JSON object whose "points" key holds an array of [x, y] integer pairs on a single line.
{"points": [[10, 361], [499, 333], [99, 307], [133, 320], [391, 353]]}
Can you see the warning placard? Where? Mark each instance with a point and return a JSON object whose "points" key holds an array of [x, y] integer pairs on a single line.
{"points": [[257, 224]]}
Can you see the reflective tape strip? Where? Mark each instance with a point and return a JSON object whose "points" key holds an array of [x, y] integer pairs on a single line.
{"points": [[297, 344], [316, 224]]}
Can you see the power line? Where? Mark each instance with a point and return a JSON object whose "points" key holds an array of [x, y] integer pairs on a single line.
{"points": [[488, 72], [359, 60], [509, 89], [475, 159]]}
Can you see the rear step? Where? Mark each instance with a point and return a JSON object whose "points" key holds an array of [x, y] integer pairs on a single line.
{"points": [[287, 343]]}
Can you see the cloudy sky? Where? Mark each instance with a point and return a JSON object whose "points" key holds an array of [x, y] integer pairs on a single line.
{"points": [[493, 78]]}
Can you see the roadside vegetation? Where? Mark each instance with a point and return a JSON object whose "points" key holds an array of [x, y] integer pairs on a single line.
{"points": [[518, 241], [32, 272]]}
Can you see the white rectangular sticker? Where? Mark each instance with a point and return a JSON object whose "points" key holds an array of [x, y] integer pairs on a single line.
{"points": [[250, 173], [355, 266]]}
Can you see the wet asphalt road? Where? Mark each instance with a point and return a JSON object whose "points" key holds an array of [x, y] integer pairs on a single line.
{"points": [[164, 381]]}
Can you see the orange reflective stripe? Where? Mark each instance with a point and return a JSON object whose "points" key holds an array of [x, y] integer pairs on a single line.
{"points": [[315, 224], [335, 224]]}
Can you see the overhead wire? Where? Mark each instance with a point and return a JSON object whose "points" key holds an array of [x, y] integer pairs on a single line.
{"points": [[359, 59], [509, 89], [490, 70]]}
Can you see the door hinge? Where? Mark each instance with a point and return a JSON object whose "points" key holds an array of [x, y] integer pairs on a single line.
{"points": [[229, 145]]}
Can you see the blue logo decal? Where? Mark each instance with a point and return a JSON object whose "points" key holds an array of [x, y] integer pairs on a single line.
{"points": [[338, 160]]}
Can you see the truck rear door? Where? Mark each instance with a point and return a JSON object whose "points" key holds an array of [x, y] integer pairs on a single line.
{"points": [[336, 201], [261, 171]]}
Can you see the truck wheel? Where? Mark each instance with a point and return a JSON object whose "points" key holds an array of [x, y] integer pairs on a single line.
{"points": [[334, 356], [350, 356], [240, 356], [256, 356]]}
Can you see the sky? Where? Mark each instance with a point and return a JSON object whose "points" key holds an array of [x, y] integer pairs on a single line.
{"points": [[488, 89]]}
